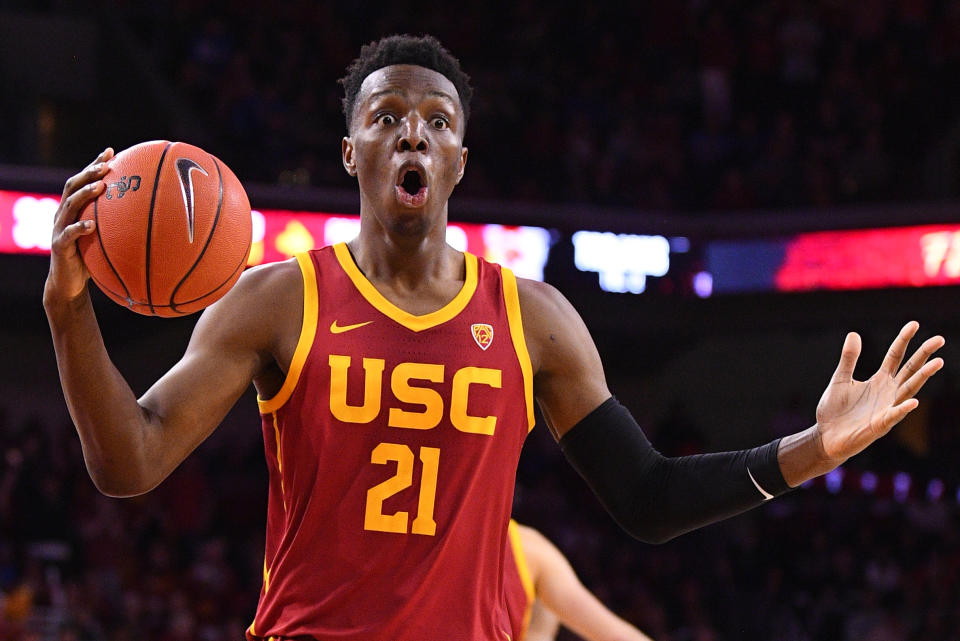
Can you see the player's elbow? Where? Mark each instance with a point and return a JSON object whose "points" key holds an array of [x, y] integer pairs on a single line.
{"points": [[119, 489], [652, 534], [648, 530], [118, 483], [655, 538]]}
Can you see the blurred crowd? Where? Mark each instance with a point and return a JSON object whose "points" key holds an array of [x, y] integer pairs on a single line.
{"points": [[696, 105], [685, 106], [184, 561]]}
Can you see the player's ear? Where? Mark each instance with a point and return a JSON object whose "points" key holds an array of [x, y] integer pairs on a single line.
{"points": [[349, 162], [463, 164]]}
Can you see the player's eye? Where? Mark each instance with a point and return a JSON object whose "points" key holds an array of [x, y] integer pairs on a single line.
{"points": [[385, 119], [439, 122]]}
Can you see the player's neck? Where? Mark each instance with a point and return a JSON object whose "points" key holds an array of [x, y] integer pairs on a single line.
{"points": [[406, 262]]}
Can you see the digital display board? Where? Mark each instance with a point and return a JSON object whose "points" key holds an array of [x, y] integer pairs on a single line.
{"points": [[916, 256], [26, 224]]}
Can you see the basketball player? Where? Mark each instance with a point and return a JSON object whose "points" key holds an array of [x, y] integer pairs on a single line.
{"points": [[396, 379], [543, 591]]}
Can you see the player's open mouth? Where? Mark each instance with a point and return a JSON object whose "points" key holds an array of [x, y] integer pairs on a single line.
{"points": [[412, 186]]}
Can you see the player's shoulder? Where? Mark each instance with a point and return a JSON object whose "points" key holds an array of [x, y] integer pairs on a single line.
{"points": [[539, 297], [547, 315], [260, 292], [269, 285], [271, 276], [262, 310], [530, 537], [544, 308], [538, 550]]}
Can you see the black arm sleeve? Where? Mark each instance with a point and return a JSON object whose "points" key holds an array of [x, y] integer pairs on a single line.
{"points": [[656, 498]]}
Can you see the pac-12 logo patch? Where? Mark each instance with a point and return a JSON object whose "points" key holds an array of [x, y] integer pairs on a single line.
{"points": [[483, 334]]}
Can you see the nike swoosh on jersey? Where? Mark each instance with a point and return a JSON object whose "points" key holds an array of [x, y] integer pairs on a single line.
{"points": [[766, 495], [339, 329]]}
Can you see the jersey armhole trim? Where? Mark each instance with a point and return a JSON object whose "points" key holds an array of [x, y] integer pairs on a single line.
{"points": [[512, 299], [513, 532], [307, 332]]}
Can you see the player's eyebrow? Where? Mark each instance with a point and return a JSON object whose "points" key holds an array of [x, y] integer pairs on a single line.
{"points": [[442, 95], [400, 92], [385, 92]]}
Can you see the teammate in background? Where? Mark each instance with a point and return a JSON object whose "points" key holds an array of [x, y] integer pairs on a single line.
{"points": [[545, 592], [396, 379]]}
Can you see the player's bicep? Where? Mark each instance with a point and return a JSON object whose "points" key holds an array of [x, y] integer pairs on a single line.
{"points": [[198, 391], [568, 375], [226, 350]]}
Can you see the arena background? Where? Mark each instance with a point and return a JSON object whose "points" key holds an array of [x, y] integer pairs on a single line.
{"points": [[716, 122]]}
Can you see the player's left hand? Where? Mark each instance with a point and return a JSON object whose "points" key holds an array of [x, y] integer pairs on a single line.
{"points": [[853, 414]]}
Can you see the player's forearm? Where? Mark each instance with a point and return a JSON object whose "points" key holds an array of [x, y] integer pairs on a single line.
{"points": [[111, 424], [802, 458], [586, 615], [656, 498], [607, 626], [626, 632]]}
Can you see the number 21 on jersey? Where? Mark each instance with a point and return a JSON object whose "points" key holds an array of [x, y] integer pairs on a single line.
{"points": [[374, 518]]}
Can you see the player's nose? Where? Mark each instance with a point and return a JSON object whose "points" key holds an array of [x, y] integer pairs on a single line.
{"points": [[413, 134]]}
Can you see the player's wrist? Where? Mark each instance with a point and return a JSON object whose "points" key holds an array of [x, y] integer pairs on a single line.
{"points": [[827, 459], [803, 456], [58, 300]]}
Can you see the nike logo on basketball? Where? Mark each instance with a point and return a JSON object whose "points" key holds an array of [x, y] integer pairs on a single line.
{"points": [[184, 167], [339, 329], [766, 495]]}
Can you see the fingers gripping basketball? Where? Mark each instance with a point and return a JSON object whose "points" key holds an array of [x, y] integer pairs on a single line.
{"points": [[172, 229]]}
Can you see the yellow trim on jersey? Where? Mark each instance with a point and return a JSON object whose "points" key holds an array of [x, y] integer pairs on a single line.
{"points": [[515, 320], [276, 431], [266, 586], [408, 320], [253, 633], [307, 332], [513, 531]]}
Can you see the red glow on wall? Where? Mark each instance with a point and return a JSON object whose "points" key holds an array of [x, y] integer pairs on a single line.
{"points": [[871, 258], [26, 224]]}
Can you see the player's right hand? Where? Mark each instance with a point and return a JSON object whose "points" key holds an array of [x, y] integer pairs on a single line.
{"points": [[68, 276], [853, 414]]}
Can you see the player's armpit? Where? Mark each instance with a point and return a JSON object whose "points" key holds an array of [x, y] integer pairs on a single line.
{"points": [[656, 498], [544, 624], [568, 377]]}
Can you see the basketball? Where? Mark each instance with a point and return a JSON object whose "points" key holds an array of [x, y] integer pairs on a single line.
{"points": [[173, 229]]}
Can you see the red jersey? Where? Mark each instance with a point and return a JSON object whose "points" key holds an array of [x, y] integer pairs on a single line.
{"points": [[517, 584], [392, 449]]}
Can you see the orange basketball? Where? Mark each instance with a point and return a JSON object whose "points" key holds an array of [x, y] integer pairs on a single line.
{"points": [[173, 229]]}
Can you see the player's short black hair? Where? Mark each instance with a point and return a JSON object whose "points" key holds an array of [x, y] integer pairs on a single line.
{"points": [[424, 51]]}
